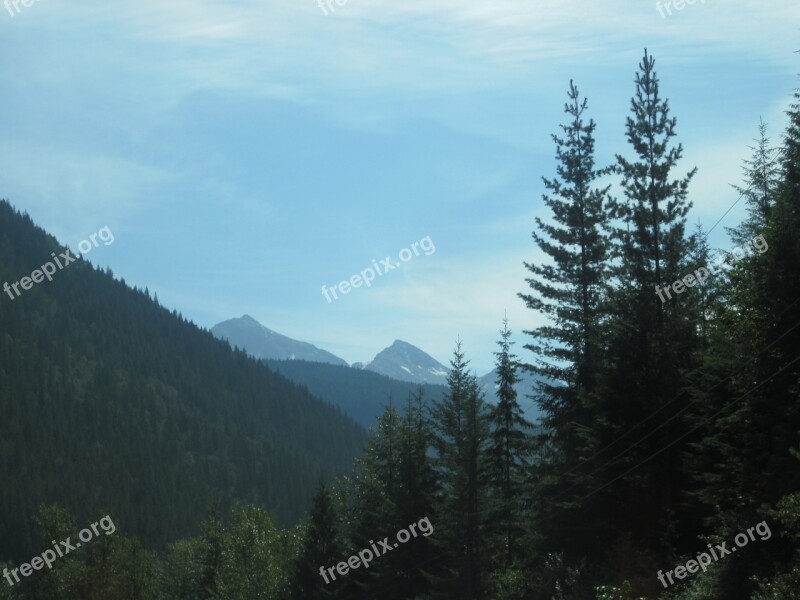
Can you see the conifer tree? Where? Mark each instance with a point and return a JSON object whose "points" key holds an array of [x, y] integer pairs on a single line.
{"points": [[762, 182], [460, 426], [748, 403], [509, 448], [652, 339], [376, 495], [417, 487], [569, 291], [769, 292], [320, 549], [654, 212]]}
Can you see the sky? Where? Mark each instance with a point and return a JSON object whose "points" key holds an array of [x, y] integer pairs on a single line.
{"points": [[246, 154]]}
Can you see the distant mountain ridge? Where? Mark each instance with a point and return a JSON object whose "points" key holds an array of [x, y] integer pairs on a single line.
{"points": [[263, 343], [402, 362]]}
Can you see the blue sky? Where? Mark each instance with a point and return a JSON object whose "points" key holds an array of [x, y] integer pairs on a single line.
{"points": [[247, 153]]}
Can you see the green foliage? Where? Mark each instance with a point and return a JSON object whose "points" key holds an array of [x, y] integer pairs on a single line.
{"points": [[257, 557], [180, 577], [63, 581]]}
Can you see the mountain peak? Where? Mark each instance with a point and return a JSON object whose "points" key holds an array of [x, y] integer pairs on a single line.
{"points": [[261, 342], [402, 344], [406, 362]]}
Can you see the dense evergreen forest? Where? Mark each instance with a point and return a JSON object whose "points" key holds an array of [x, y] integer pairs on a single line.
{"points": [[671, 421], [110, 402]]}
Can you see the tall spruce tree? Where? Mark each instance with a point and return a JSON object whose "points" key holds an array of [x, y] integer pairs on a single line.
{"points": [[377, 492], [460, 426], [569, 291], [653, 244], [509, 449], [395, 487], [416, 490], [762, 175], [650, 342]]}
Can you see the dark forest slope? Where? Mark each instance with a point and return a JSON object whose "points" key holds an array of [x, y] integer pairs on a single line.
{"points": [[110, 402]]}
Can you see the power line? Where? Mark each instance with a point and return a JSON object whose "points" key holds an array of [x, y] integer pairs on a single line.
{"points": [[726, 212], [679, 394]]}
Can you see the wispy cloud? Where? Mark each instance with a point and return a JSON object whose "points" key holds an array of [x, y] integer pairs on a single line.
{"points": [[311, 139]]}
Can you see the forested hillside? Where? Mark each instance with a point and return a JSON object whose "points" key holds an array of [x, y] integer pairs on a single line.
{"points": [[110, 402], [359, 393]]}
